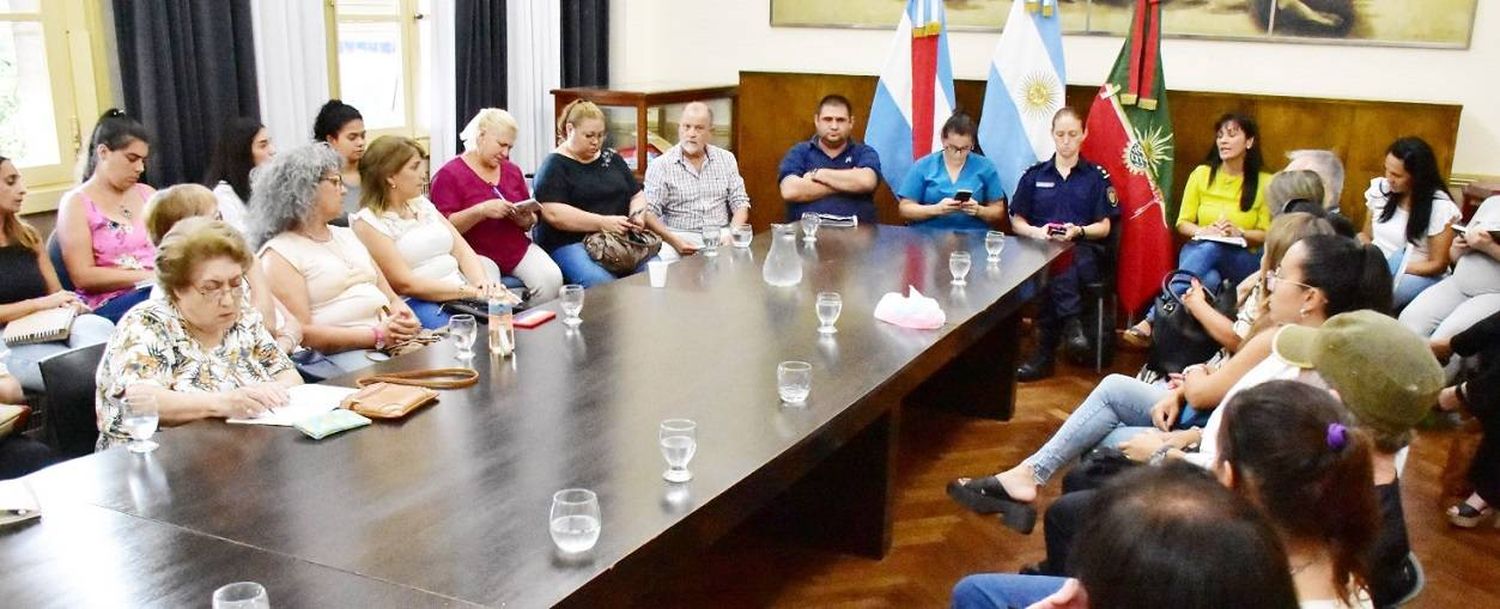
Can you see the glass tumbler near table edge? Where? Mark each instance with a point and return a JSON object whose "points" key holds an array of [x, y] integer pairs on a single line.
{"points": [[241, 595], [678, 439], [794, 381], [959, 264], [575, 520]]}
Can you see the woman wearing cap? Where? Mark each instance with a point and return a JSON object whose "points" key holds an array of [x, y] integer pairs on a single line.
{"points": [[1312, 283]]}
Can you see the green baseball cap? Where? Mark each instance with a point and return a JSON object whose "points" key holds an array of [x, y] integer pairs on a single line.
{"points": [[1385, 373]]}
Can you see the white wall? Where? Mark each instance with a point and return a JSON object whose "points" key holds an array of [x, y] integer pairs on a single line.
{"points": [[711, 41]]}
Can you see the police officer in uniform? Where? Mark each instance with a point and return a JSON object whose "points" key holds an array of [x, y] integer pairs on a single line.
{"points": [[1064, 198]]}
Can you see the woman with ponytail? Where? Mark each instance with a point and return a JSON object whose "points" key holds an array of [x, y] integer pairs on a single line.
{"points": [[100, 224], [1291, 449]]}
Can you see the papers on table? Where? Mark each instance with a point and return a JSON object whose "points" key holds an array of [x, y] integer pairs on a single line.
{"points": [[306, 401], [1237, 241], [17, 503]]}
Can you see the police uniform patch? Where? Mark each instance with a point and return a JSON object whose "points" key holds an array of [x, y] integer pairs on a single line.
{"points": [[1114, 199]]}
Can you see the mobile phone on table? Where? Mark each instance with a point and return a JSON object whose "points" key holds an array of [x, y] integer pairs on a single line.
{"points": [[963, 196], [533, 318]]}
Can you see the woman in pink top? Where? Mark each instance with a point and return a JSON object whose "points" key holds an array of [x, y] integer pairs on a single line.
{"points": [[100, 224], [478, 192]]}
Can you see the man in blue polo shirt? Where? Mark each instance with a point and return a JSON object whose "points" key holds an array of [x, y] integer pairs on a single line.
{"points": [[1064, 198], [831, 173]]}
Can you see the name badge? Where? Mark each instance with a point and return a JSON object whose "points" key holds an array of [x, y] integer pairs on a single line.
{"points": [[1046, 184]]}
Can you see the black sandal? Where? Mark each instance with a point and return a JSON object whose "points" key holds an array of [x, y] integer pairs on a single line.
{"points": [[985, 495]]}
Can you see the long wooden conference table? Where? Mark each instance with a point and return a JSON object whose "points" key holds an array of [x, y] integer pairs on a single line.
{"points": [[448, 508]]}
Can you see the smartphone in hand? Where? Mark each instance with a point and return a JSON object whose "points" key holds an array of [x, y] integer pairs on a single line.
{"points": [[963, 196]]}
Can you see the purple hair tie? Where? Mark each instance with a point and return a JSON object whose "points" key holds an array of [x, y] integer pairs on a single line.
{"points": [[1337, 436]]}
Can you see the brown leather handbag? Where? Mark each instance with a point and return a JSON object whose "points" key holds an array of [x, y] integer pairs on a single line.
{"points": [[397, 394], [621, 253]]}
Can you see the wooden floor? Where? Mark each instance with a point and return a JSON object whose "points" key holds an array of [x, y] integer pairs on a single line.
{"points": [[936, 542]]}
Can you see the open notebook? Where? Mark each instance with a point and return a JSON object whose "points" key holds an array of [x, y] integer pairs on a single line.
{"points": [[42, 326]]}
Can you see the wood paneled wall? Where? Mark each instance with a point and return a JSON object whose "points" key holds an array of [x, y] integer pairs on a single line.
{"points": [[776, 110]]}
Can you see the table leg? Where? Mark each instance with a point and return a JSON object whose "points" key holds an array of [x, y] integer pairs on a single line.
{"points": [[981, 380]]}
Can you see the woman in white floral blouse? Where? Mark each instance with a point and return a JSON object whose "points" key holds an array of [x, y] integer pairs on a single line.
{"points": [[198, 351]]}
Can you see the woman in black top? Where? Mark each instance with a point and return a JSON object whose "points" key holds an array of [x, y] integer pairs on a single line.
{"points": [[584, 189], [31, 285]]}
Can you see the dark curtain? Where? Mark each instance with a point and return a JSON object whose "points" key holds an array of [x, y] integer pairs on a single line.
{"points": [[585, 43], [479, 42], [186, 67]]}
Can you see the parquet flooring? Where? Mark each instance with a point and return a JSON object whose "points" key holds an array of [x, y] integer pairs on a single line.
{"points": [[936, 542]]}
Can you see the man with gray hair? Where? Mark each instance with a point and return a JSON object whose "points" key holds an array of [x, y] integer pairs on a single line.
{"points": [[1328, 167], [696, 185]]}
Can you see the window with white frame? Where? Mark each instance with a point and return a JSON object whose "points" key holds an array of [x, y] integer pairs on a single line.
{"points": [[376, 57], [38, 120]]}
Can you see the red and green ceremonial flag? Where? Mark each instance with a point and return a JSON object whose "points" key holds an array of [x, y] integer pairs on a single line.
{"points": [[1130, 135]]}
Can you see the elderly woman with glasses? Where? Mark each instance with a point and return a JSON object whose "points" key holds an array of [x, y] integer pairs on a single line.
{"points": [[323, 274], [199, 352], [953, 187]]}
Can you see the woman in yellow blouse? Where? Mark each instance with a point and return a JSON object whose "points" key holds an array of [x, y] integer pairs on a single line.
{"points": [[1224, 213]]}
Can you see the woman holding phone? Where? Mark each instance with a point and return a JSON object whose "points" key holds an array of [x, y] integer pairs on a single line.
{"points": [[1472, 292], [953, 188]]}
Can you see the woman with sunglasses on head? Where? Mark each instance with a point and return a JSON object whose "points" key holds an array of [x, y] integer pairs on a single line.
{"points": [[1312, 283], [195, 351]]}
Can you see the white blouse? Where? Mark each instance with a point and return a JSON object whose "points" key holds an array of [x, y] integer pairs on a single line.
{"points": [[231, 207], [424, 241], [342, 283], [1390, 236]]}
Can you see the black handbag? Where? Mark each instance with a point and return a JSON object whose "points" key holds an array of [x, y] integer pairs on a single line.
{"points": [[314, 366], [1177, 339]]}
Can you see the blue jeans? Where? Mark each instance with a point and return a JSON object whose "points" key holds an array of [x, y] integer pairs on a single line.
{"points": [[1215, 263], [431, 314], [1409, 285], [24, 360], [577, 267], [115, 308], [1004, 590], [1118, 401]]}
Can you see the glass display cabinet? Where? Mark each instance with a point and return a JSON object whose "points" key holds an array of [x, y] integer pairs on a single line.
{"points": [[641, 119]]}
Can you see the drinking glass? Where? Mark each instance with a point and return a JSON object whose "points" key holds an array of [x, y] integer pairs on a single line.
{"points": [[994, 243], [810, 222], [138, 418], [679, 441], [794, 381], [958, 264], [830, 304], [572, 303], [241, 595], [575, 520], [656, 270], [464, 330], [711, 236], [742, 236]]}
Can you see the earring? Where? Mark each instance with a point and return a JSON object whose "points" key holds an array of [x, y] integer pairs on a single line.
{"points": [[1303, 312]]}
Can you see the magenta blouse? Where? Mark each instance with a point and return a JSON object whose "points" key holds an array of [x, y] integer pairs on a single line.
{"points": [[456, 187], [121, 246]]}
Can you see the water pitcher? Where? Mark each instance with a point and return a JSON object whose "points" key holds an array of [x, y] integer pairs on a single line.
{"points": [[783, 265]]}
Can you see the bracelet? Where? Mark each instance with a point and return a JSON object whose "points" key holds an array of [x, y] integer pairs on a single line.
{"points": [[1160, 455], [379, 337], [1462, 394]]}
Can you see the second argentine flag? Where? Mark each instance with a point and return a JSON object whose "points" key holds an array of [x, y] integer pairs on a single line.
{"points": [[915, 94], [1025, 88]]}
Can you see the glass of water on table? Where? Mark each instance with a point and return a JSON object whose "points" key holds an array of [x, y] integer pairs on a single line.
{"points": [[575, 520], [139, 417], [679, 442]]}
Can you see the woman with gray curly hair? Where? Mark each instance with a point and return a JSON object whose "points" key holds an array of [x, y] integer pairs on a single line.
{"points": [[322, 273]]}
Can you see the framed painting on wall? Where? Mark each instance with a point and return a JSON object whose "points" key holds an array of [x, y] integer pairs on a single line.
{"points": [[1424, 23]]}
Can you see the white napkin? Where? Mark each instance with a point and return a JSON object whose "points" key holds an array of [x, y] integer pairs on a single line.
{"points": [[912, 311]]}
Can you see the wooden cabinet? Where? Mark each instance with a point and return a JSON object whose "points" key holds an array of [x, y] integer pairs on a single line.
{"points": [[641, 119]]}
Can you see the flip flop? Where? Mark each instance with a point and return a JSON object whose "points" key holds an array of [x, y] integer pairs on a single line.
{"points": [[985, 495]]}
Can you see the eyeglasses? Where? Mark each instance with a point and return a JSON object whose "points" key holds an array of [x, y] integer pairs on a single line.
{"points": [[958, 149], [1275, 278], [234, 290], [336, 180]]}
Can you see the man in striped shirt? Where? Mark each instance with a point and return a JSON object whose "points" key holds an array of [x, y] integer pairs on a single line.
{"points": [[696, 185]]}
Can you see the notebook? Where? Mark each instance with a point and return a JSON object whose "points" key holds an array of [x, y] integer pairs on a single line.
{"points": [[42, 326]]}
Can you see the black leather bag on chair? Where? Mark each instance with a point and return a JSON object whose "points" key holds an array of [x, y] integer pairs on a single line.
{"points": [[1177, 339]]}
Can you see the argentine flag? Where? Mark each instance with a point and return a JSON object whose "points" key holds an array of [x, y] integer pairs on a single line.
{"points": [[1025, 88], [915, 94]]}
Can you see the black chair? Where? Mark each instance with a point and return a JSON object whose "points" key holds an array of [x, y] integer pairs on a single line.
{"points": [[1106, 303], [72, 426], [54, 252]]}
